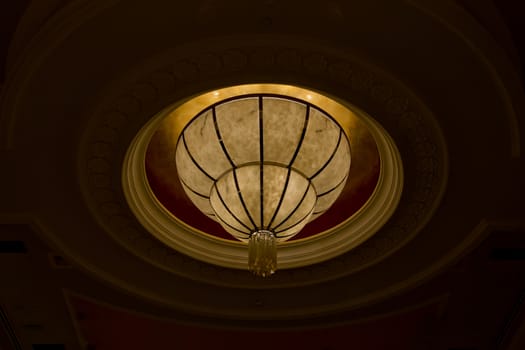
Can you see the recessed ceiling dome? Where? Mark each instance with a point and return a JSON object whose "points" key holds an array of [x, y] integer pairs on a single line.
{"points": [[190, 156]]}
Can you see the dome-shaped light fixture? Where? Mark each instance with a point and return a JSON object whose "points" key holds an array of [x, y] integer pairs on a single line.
{"points": [[263, 166]]}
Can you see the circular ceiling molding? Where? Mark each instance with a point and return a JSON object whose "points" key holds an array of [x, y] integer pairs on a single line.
{"points": [[179, 78], [336, 240]]}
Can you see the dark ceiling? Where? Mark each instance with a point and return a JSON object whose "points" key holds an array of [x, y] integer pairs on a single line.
{"points": [[10, 14], [511, 11], [484, 293]]}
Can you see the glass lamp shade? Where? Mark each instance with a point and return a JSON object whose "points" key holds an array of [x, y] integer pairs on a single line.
{"points": [[274, 198], [263, 163]]}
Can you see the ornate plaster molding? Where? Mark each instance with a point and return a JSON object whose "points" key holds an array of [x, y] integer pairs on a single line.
{"points": [[395, 108]]}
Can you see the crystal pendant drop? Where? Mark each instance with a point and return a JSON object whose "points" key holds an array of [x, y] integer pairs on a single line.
{"points": [[262, 253]]}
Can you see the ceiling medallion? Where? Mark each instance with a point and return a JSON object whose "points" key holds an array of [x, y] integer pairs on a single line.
{"points": [[262, 161]]}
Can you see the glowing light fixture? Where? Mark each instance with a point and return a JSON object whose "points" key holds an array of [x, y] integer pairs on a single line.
{"points": [[263, 166]]}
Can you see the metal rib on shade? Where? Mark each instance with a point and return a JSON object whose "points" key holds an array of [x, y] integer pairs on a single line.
{"points": [[263, 162]]}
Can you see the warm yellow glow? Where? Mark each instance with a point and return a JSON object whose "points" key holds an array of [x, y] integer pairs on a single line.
{"points": [[183, 114], [164, 140]]}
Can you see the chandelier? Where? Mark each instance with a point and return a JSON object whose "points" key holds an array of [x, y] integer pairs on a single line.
{"points": [[263, 166]]}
